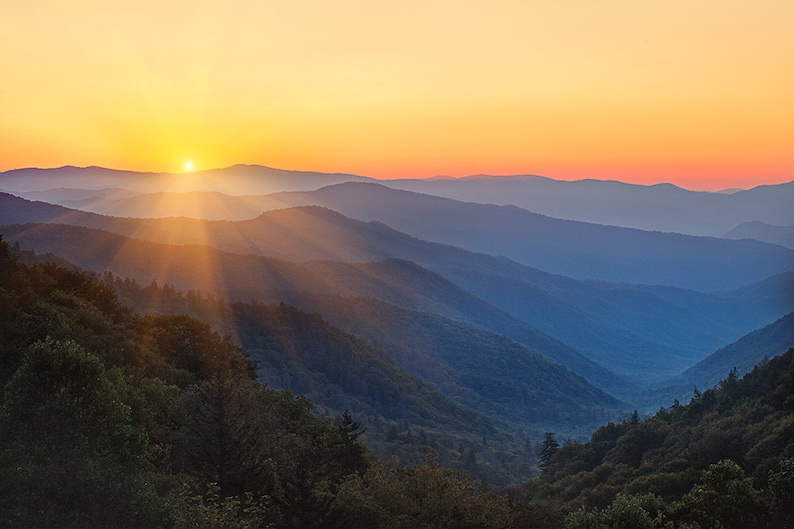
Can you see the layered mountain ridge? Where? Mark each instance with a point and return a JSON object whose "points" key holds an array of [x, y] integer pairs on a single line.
{"points": [[621, 307]]}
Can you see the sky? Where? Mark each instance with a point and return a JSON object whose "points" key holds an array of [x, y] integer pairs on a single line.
{"points": [[695, 92]]}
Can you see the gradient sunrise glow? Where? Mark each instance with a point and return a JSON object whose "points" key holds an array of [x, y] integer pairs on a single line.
{"points": [[697, 93]]}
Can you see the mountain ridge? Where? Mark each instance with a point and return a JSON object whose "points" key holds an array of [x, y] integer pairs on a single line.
{"points": [[373, 241], [265, 280]]}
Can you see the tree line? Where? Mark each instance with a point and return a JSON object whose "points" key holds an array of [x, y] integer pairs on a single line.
{"points": [[110, 418]]}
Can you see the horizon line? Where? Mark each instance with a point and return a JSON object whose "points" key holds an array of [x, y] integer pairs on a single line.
{"points": [[414, 178]]}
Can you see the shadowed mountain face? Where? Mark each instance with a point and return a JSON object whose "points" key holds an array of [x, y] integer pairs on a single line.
{"points": [[575, 249], [760, 231], [487, 374], [608, 323], [643, 333], [751, 350], [744, 354], [662, 207]]}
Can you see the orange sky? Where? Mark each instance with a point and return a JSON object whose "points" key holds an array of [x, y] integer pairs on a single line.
{"points": [[693, 92]]}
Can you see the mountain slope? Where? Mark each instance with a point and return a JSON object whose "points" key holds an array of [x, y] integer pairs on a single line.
{"points": [[487, 372], [752, 349], [247, 277], [662, 207], [760, 231], [607, 322], [575, 249], [747, 421]]}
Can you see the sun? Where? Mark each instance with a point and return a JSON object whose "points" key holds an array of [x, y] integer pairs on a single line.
{"points": [[188, 165]]}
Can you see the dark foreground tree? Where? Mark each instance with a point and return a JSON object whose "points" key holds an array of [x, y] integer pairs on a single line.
{"points": [[69, 455], [548, 449]]}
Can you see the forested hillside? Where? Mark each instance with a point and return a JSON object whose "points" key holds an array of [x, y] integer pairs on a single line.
{"points": [[110, 419], [250, 277], [605, 322], [113, 419], [517, 390], [726, 460]]}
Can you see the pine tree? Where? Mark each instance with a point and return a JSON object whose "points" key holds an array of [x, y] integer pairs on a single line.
{"points": [[549, 448]]}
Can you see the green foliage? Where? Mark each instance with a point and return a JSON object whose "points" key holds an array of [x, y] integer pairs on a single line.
{"points": [[725, 498], [426, 496], [111, 419], [108, 419], [646, 511], [723, 460], [781, 488], [210, 510], [65, 435]]}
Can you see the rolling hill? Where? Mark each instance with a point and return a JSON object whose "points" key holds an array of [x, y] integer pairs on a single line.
{"points": [[531, 388], [570, 311], [237, 179], [674, 328], [575, 249], [744, 354], [761, 231], [662, 207]]}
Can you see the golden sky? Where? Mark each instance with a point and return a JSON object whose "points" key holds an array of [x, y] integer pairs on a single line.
{"points": [[695, 92]]}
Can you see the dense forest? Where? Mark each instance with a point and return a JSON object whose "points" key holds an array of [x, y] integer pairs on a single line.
{"points": [[115, 418]]}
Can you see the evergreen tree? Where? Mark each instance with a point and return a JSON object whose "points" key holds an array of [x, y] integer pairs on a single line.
{"points": [[547, 450]]}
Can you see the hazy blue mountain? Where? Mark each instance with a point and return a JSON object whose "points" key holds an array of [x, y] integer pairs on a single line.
{"points": [[209, 205], [516, 374], [17, 210], [486, 372], [662, 207], [235, 180], [399, 282], [752, 349], [81, 199], [743, 354], [671, 328], [760, 231], [640, 334], [575, 249], [772, 297]]}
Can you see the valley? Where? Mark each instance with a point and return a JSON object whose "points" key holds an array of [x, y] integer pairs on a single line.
{"points": [[460, 329], [679, 298]]}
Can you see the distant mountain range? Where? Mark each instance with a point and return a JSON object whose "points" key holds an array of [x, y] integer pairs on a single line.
{"points": [[531, 386], [579, 250], [484, 302], [576, 249], [760, 231], [608, 323], [234, 180], [662, 207]]}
